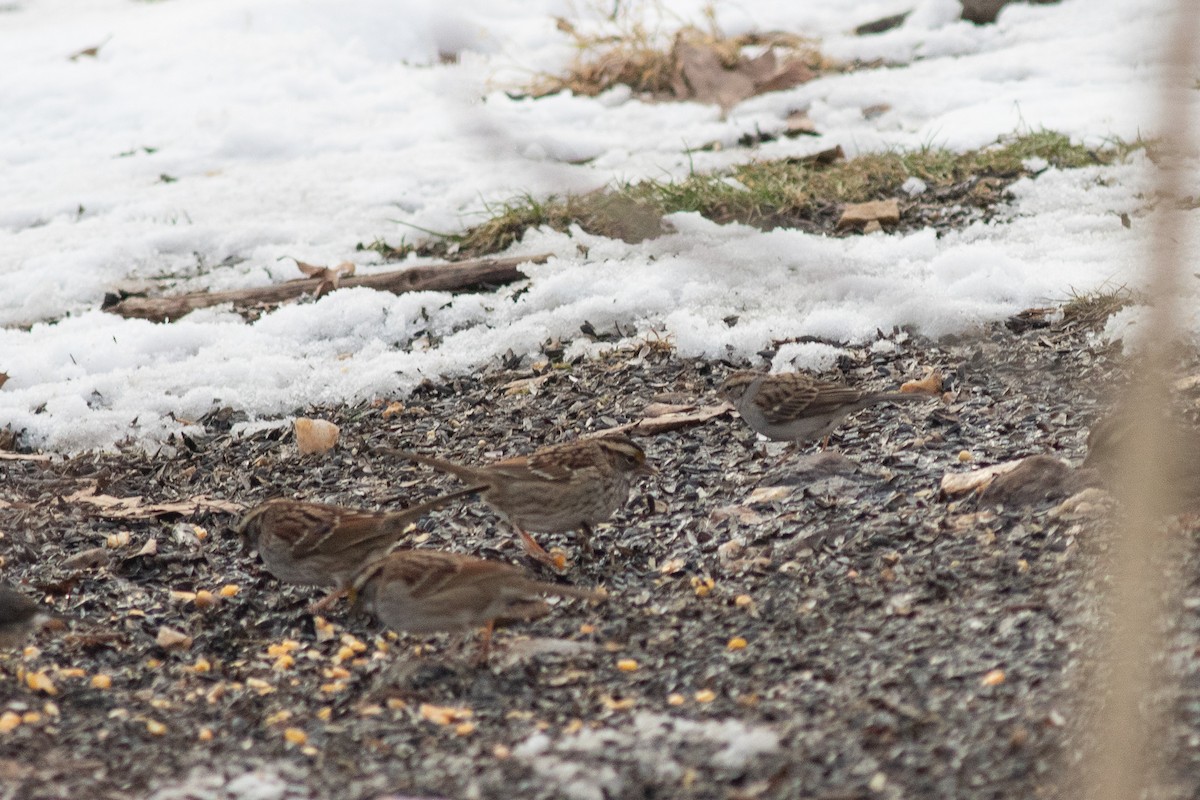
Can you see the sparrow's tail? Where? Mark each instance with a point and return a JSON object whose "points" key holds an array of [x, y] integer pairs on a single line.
{"points": [[460, 471]]}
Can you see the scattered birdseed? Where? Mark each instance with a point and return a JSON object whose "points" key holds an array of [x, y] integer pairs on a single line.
{"points": [[702, 586]]}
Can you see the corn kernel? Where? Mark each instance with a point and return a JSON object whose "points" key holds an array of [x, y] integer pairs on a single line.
{"points": [[229, 590], [702, 586], [586, 628], [737, 643], [705, 696], [676, 699], [333, 687], [71, 672], [40, 682], [31, 718], [743, 600], [283, 662], [205, 735], [993, 678], [627, 665], [613, 704], [295, 736], [9, 720], [201, 665], [283, 715], [464, 729], [155, 728]]}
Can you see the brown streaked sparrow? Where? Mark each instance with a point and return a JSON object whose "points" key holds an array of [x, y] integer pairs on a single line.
{"points": [[428, 591], [314, 544], [563, 487], [1108, 441], [796, 407], [19, 617]]}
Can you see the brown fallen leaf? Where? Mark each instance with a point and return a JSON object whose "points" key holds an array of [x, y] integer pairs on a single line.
{"points": [[956, 483], [742, 514], [798, 124], [886, 212], [3, 378], [931, 384], [133, 508], [667, 422], [88, 52], [662, 409]]}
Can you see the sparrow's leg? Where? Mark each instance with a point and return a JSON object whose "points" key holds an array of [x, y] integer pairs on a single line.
{"points": [[485, 643], [328, 600], [557, 560]]}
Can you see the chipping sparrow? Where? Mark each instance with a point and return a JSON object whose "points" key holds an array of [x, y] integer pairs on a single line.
{"points": [[563, 487], [314, 544], [426, 591], [19, 617], [795, 407]]}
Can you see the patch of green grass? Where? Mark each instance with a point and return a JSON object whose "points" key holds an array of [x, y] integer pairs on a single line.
{"points": [[805, 193]]}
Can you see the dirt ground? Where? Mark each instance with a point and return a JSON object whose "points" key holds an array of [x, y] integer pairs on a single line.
{"points": [[852, 633]]}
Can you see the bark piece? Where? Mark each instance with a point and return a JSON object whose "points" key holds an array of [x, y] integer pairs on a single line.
{"points": [[886, 212]]}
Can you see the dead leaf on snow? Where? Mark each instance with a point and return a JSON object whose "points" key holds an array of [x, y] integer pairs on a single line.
{"points": [[798, 124], [3, 378], [89, 52], [703, 71], [329, 276]]}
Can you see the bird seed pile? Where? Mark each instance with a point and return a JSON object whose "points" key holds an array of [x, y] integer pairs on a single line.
{"points": [[827, 625]]}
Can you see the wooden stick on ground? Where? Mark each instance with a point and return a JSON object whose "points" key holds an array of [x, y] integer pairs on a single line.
{"points": [[435, 277]]}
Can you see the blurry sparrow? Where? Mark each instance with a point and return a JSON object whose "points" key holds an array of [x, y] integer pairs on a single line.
{"points": [[19, 617], [795, 407], [562, 487], [426, 591], [1108, 443], [313, 544]]}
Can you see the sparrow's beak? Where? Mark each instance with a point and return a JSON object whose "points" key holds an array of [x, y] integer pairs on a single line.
{"points": [[646, 469]]}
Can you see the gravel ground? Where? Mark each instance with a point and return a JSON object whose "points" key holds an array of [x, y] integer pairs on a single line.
{"points": [[897, 643]]}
